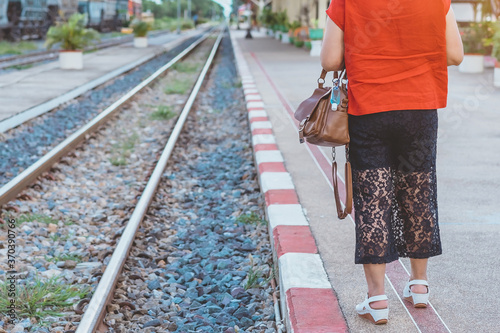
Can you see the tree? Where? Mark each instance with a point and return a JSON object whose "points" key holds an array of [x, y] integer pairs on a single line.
{"points": [[168, 8]]}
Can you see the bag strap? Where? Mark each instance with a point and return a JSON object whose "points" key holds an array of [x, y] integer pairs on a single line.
{"points": [[342, 213], [321, 80]]}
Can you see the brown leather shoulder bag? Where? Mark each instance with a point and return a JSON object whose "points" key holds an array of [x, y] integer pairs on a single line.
{"points": [[325, 124]]}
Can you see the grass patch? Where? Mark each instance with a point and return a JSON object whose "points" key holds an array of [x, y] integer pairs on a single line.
{"points": [[21, 67], [251, 218], [229, 85], [116, 34], [185, 67], [37, 218], [118, 161], [167, 23], [64, 257], [163, 112], [121, 152], [40, 299], [177, 86], [57, 236], [255, 277], [16, 48], [40, 218]]}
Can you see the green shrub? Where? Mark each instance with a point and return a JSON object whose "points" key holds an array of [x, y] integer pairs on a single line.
{"points": [[141, 28], [72, 34], [299, 43], [475, 36], [16, 48], [202, 20], [185, 25]]}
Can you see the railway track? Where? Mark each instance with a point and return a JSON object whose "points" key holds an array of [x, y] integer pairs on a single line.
{"points": [[36, 57], [97, 307], [115, 262], [10, 190]]}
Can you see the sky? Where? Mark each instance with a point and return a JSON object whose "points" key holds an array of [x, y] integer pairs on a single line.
{"points": [[226, 4]]}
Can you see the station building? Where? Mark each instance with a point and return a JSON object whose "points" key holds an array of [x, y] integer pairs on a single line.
{"points": [[315, 9], [465, 10]]}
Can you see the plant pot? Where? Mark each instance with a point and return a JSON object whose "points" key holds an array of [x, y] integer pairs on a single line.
{"points": [[496, 75], [277, 35], [140, 42], [307, 45], [316, 34], [71, 59], [292, 40], [472, 63], [316, 48], [285, 39], [489, 61]]}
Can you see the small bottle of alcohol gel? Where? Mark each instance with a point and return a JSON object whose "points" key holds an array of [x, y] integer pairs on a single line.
{"points": [[335, 99]]}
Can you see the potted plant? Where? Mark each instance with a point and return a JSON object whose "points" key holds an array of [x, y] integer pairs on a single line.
{"points": [[489, 59], [282, 21], [73, 37], [316, 37], [495, 42], [291, 32], [299, 43], [141, 29], [308, 45], [285, 37], [473, 39], [268, 19]]}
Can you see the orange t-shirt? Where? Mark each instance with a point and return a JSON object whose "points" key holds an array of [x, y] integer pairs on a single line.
{"points": [[395, 53]]}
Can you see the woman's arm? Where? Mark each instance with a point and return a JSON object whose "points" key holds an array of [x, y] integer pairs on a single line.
{"points": [[332, 51], [454, 47]]}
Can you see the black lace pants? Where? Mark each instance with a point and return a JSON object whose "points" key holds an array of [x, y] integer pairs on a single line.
{"points": [[393, 158]]}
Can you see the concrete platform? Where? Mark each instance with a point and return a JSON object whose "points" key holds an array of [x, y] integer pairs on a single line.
{"points": [[28, 93], [464, 279]]}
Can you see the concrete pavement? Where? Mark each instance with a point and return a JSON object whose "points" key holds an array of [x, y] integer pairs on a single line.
{"points": [[28, 93], [464, 279]]}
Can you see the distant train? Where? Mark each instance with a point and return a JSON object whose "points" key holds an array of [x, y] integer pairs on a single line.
{"points": [[32, 18]]}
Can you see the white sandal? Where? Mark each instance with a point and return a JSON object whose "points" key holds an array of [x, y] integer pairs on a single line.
{"points": [[377, 316], [418, 300]]}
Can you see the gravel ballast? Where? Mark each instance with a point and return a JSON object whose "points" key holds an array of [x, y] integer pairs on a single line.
{"points": [[24, 145], [201, 261], [195, 256]]}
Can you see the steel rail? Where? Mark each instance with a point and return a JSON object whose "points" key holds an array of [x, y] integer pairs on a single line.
{"points": [[34, 57], [104, 291], [10, 190]]}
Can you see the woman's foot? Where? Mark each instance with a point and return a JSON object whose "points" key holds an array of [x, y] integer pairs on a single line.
{"points": [[417, 293], [371, 309]]}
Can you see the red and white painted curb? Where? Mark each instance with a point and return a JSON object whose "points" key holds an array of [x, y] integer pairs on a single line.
{"points": [[308, 303]]}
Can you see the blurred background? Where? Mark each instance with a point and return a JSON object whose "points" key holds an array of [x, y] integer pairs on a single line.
{"points": [[23, 23]]}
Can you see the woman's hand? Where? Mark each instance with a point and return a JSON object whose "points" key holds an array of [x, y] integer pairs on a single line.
{"points": [[454, 47], [332, 51]]}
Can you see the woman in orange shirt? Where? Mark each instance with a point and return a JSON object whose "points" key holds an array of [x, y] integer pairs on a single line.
{"points": [[396, 54]]}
